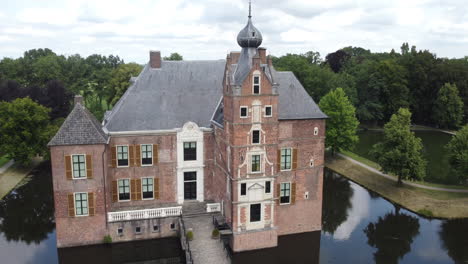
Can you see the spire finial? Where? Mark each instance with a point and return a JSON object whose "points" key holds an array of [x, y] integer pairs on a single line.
{"points": [[250, 9]]}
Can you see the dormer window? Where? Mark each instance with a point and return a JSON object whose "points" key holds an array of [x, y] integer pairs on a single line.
{"points": [[256, 84]]}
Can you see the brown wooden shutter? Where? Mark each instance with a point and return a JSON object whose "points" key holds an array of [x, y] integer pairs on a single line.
{"points": [[156, 188], [89, 166], [71, 205], [131, 154], [278, 193], [293, 193], [294, 158], [91, 204], [68, 167], [133, 189], [115, 192], [138, 155], [138, 189], [155, 154], [278, 160], [113, 157]]}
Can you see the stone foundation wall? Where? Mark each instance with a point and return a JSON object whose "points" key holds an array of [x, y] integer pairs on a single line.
{"points": [[146, 229]]}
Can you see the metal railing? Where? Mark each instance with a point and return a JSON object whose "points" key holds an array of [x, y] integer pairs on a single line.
{"points": [[144, 214]]}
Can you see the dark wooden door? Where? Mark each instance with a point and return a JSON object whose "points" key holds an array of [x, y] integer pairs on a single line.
{"points": [[190, 185]]}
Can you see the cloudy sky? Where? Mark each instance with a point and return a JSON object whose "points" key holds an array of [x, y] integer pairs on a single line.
{"points": [[207, 29]]}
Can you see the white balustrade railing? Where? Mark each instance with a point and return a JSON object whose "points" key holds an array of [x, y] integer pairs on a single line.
{"points": [[213, 207], [144, 214]]}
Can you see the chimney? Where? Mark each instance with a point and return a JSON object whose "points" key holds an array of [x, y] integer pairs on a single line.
{"points": [[270, 62], [78, 99], [155, 59], [262, 54]]}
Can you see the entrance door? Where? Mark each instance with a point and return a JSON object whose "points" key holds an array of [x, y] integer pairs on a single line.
{"points": [[190, 185]]}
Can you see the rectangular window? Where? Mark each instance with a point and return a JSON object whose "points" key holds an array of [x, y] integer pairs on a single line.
{"points": [[256, 85], [81, 203], [147, 188], [79, 166], [285, 193], [146, 154], [255, 212], [124, 190], [286, 159], [190, 150], [243, 111], [256, 137], [243, 188], [255, 163], [268, 111], [268, 187], [138, 230], [122, 156]]}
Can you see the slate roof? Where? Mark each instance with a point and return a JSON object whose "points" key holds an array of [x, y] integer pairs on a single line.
{"points": [[80, 128], [181, 91]]}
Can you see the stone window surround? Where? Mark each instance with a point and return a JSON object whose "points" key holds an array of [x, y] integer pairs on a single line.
{"points": [[260, 165], [117, 156], [251, 182], [76, 207], [141, 155], [73, 168], [258, 75], [316, 130], [271, 111], [246, 111], [259, 137]]}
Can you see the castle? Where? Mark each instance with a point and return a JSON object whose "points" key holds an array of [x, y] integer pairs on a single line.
{"points": [[234, 134]]}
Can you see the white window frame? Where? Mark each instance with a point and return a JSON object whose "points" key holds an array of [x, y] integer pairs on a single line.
{"points": [[259, 137], [281, 159], [271, 111], [74, 203], [250, 163], [316, 131], [246, 111], [144, 199], [117, 155], [289, 193], [129, 190], [261, 220], [259, 83], [86, 168], [141, 155]]}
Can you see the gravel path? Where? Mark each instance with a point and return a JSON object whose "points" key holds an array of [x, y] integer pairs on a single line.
{"points": [[405, 182]]}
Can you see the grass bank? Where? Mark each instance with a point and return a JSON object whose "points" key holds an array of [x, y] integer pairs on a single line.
{"points": [[430, 203], [14, 175]]}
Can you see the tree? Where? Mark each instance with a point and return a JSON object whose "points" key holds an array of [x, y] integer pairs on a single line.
{"points": [[400, 151], [58, 99], [25, 129], [392, 235], [337, 60], [174, 57], [10, 90], [454, 239], [120, 80], [342, 125], [458, 154], [448, 107], [336, 201]]}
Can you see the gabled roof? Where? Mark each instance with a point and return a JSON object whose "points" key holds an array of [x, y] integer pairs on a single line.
{"points": [[80, 128], [182, 91]]}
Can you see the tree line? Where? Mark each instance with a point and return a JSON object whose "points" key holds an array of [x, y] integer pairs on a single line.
{"points": [[434, 89]]}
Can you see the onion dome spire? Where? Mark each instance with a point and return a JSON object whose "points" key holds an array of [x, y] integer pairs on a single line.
{"points": [[249, 36]]}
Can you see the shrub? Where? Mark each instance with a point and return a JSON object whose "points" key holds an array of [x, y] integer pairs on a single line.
{"points": [[107, 239], [190, 235], [215, 233]]}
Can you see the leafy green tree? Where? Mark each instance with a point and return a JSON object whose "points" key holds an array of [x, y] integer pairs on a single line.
{"points": [[25, 129], [454, 239], [448, 107], [336, 201], [458, 154], [174, 57], [400, 151], [342, 125], [120, 80]]}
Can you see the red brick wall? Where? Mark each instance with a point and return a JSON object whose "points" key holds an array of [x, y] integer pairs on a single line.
{"points": [[75, 230], [254, 240]]}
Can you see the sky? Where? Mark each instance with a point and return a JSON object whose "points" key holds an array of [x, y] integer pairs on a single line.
{"points": [[207, 29]]}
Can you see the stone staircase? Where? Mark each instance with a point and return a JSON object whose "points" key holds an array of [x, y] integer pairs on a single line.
{"points": [[193, 208]]}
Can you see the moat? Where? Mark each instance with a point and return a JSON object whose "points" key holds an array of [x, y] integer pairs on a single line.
{"points": [[358, 227]]}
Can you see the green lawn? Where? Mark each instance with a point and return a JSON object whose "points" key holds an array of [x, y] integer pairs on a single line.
{"points": [[377, 166]]}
